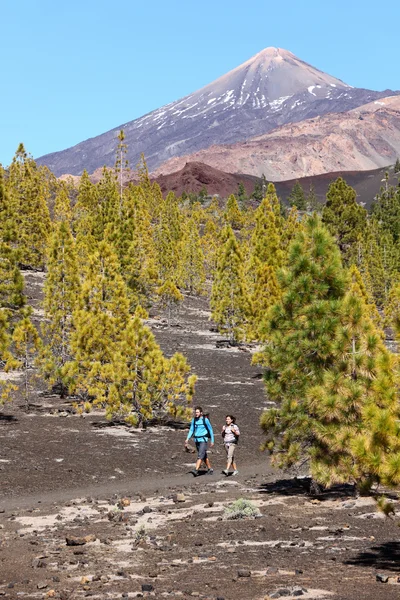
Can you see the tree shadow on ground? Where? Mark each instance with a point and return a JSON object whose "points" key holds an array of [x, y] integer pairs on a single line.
{"points": [[304, 486], [384, 556], [8, 418]]}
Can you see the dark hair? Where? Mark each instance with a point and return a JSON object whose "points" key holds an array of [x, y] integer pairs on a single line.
{"points": [[198, 408], [233, 419]]}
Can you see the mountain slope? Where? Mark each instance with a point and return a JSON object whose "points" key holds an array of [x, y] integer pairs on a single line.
{"points": [[364, 138], [271, 89]]}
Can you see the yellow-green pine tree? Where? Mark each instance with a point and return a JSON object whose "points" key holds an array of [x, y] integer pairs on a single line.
{"points": [[233, 215], [8, 222], [61, 294], [358, 288], [26, 344], [84, 218], [28, 188], [98, 326], [62, 205], [209, 244], [148, 385], [191, 263], [170, 298], [12, 297], [229, 301]]}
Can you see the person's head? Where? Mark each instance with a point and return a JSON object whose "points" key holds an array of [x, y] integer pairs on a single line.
{"points": [[230, 419], [198, 411]]}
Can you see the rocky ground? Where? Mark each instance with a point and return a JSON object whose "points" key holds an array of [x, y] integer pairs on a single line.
{"points": [[92, 510]]}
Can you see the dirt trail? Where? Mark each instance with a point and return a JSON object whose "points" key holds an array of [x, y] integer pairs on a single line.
{"points": [[154, 527]]}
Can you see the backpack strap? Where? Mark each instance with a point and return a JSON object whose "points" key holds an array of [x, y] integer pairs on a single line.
{"points": [[206, 426]]}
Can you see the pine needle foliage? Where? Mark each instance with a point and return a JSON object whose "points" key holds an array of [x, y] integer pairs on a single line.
{"points": [[191, 264], [147, 384], [229, 302], [61, 294], [344, 217], [300, 335], [354, 412]]}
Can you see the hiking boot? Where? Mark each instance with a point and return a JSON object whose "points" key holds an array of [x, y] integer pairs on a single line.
{"points": [[210, 471], [225, 472], [236, 472], [194, 472]]}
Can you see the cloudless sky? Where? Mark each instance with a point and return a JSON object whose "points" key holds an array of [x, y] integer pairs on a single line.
{"points": [[75, 69]]}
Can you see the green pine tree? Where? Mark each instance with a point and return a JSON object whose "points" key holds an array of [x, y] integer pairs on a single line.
{"points": [[297, 197], [354, 412], [300, 334], [344, 218]]}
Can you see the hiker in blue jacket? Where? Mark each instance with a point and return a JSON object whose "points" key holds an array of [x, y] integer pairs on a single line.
{"points": [[201, 430]]}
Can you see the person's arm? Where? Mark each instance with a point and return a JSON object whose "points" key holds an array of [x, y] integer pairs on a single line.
{"points": [[191, 431], [210, 430], [223, 432], [235, 431]]}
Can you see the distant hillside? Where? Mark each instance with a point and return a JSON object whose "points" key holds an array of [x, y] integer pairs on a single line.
{"points": [[271, 89], [362, 139]]}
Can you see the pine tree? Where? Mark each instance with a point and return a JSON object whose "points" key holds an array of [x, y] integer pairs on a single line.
{"points": [[354, 410], [61, 293], [26, 344], [265, 258], [148, 385], [374, 264], [392, 309], [168, 233], [313, 204], [62, 205], [265, 295], [344, 217], [28, 188], [191, 264], [232, 214], [209, 243], [98, 325], [397, 166], [121, 163], [12, 297], [258, 194], [300, 334], [229, 302], [275, 203], [385, 210], [297, 197], [170, 298], [135, 248], [241, 194], [291, 227], [265, 246], [359, 290], [8, 217], [7, 360]]}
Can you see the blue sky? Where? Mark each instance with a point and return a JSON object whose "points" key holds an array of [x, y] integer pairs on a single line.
{"points": [[72, 70]]}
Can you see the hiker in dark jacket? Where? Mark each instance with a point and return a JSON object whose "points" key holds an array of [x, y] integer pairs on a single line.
{"points": [[201, 430]]}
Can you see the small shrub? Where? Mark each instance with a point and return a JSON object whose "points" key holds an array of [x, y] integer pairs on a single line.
{"points": [[140, 534], [241, 509]]}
